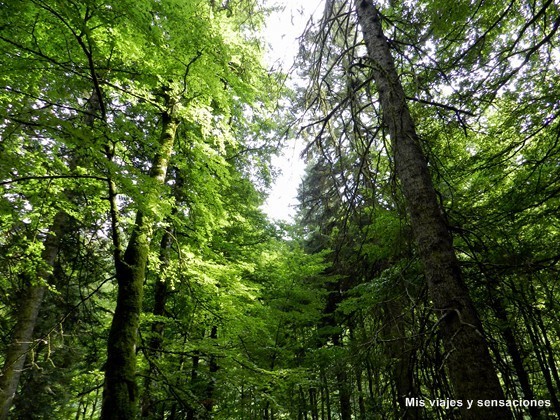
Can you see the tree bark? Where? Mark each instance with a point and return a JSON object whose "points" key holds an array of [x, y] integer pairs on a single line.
{"points": [[541, 358], [120, 394], [470, 367], [361, 400]]}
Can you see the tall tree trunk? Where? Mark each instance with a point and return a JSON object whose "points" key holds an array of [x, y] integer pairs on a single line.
{"points": [[514, 353], [22, 338], [326, 395], [155, 343], [27, 313], [541, 358], [361, 400], [470, 367], [343, 383], [537, 315], [213, 367], [313, 403], [34, 292], [120, 393], [401, 354]]}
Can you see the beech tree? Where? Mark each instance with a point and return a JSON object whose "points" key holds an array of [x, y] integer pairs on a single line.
{"points": [[148, 77]]}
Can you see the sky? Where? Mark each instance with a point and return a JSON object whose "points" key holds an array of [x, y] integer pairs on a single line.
{"points": [[282, 31]]}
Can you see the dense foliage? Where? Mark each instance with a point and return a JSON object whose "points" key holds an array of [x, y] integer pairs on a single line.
{"points": [[139, 276]]}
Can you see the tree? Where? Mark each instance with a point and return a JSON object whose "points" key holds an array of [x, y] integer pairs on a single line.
{"points": [[148, 77], [425, 54], [470, 366], [135, 159]]}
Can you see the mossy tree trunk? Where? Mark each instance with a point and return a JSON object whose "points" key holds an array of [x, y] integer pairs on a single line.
{"points": [[470, 367], [120, 393]]}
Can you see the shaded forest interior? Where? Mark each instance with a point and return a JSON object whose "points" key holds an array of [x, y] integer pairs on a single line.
{"points": [[140, 277]]}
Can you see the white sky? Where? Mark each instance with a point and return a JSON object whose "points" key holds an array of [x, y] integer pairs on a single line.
{"points": [[283, 29]]}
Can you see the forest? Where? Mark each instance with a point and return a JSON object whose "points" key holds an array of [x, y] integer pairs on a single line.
{"points": [[141, 278]]}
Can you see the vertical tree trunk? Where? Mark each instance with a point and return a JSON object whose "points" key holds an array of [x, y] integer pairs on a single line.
{"points": [[343, 384], [27, 313], [469, 363], [191, 412], [313, 403], [120, 393], [516, 358], [361, 400], [327, 393], [213, 367], [155, 342], [371, 391], [541, 358], [399, 350]]}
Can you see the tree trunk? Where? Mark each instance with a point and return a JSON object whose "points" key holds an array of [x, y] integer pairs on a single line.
{"points": [[401, 355], [155, 343], [27, 313], [325, 396], [343, 383], [469, 363], [514, 353], [120, 393], [541, 358], [313, 403], [213, 367], [361, 400]]}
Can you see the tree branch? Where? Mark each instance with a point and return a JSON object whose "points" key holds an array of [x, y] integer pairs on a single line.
{"points": [[49, 177]]}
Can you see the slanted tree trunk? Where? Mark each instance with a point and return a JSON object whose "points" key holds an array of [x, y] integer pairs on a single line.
{"points": [[120, 394], [22, 338], [470, 367], [529, 319], [27, 314], [34, 292]]}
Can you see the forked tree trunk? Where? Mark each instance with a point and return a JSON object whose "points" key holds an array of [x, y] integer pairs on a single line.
{"points": [[469, 364], [120, 393]]}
